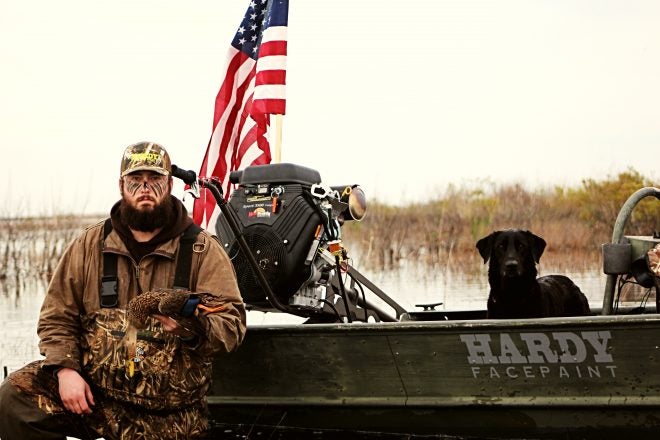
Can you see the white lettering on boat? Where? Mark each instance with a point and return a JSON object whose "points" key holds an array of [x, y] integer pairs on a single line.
{"points": [[539, 355]]}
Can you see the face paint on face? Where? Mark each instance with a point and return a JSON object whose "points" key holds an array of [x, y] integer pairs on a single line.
{"points": [[145, 190], [156, 183]]}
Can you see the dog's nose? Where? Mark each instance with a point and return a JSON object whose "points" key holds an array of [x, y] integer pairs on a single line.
{"points": [[511, 267]]}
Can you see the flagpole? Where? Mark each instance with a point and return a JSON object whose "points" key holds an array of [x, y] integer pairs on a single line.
{"points": [[277, 157]]}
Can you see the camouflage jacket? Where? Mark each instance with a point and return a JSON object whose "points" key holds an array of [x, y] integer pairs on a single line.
{"points": [[72, 320]]}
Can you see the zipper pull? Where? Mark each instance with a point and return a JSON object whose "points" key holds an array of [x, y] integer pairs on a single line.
{"points": [[137, 272]]}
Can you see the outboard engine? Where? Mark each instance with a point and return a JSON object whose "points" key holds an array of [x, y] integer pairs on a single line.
{"points": [[292, 225]]}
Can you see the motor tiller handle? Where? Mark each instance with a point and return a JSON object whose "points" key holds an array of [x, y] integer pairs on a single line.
{"points": [[188, 176]]}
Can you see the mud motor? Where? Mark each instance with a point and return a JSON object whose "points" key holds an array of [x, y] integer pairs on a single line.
{"points": [[292, 224]]}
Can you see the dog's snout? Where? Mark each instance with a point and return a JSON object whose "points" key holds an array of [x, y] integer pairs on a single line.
{"points": [[511, 267]]}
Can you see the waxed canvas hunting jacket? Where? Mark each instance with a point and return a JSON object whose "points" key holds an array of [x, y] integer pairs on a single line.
{"points": [[74, 292]]}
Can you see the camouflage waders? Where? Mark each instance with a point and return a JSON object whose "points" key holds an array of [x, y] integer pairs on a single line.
{"points": [[153, 369], [32, 409], [145, 387]]}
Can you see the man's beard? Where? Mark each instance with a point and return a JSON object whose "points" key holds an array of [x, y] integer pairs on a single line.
{"points": [[147, 220]]}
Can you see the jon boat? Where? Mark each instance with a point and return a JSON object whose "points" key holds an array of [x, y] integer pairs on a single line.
{"points": [[424, 372]]}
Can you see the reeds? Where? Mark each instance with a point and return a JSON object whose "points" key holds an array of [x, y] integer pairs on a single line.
{"points": [[575, 222], [30, 248], [440, 234]]}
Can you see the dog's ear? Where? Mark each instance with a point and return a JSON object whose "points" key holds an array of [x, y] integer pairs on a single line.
{"points": [[537, 244], [485, 246]]}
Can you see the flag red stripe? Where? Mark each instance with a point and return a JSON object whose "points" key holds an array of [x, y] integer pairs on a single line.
{"points": [[275, 106], [227, 88], [271, 77], [231, 130], [269, 48], [247, 139]]}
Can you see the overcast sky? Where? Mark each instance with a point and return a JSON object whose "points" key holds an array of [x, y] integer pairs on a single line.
{"points": [[402, 97]]}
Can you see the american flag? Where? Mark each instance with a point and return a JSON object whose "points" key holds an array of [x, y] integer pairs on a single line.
{"points": [[253, 88]]}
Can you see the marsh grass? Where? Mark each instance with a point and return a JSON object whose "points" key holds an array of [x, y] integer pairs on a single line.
{"points": [[442, 233], [439, 234], [31, 247]]}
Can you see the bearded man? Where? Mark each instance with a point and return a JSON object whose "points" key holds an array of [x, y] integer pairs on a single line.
{"points": [[106, 372]]}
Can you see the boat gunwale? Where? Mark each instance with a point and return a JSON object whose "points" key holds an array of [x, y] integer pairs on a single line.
{"points": [[467, 401], [529, 323]]}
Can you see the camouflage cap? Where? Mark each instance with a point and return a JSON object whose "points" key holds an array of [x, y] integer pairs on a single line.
{"points": [[146, 156]]}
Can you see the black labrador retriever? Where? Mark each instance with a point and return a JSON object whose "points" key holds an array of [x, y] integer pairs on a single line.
{"points": [[515, 292]]}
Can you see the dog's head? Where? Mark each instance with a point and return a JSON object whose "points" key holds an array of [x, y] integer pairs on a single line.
{"points": [[511, 252]]}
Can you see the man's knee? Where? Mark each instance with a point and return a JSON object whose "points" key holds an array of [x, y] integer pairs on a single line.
{"points": [[15, 410], [22, 418], [8, 397]]}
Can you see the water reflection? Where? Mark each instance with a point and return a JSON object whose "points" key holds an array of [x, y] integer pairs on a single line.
{"points": [[16, 284], [19, 309]]}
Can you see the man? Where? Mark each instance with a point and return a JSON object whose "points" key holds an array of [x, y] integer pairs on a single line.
{"points": [[104, 375]]}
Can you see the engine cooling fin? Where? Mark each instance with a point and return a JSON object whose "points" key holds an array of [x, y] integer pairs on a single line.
{"points": [[269, 251]]}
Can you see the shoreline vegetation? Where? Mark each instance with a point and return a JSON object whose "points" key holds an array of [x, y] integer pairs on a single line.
{"points": [[440, 233], [574, 221]]}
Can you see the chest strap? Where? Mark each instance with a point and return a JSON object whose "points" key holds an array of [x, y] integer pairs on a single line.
{"points": [[109, 296], [109, 290], [184, 257]]}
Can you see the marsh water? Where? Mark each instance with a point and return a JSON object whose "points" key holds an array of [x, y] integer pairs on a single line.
{"points": [[409, 284]]}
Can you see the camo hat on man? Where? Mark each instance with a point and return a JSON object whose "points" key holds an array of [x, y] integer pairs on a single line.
{"points": [[146, 156]]}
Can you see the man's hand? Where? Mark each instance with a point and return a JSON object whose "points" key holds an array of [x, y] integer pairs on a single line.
{"points": [[75, 393], [171, 325]]}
